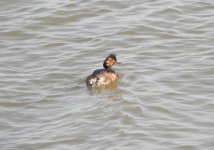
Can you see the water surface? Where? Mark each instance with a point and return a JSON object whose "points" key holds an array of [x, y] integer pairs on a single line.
{"points": [[164, 99]]}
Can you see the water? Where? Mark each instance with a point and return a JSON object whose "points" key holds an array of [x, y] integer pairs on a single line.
{"points": [[164, 99]]}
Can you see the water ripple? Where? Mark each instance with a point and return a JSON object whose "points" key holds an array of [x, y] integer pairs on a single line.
{"points": [[162, 101]]}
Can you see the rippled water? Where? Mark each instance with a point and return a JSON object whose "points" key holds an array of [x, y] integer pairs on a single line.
{"points": [[164, 99]]}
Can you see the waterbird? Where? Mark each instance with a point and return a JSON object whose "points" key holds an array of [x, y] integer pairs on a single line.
{"points": [[104, 76]]}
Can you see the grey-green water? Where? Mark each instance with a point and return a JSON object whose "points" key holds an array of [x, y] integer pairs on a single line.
{"points": [[165, 96]]}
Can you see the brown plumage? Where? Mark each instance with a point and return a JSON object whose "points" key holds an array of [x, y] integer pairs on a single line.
{"points": [[101, 77]]}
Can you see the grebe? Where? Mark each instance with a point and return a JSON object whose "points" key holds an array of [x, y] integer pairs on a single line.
{"points": [[102, 77]]}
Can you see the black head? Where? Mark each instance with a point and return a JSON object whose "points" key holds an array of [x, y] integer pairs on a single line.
{"points": [[109, 61]]}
